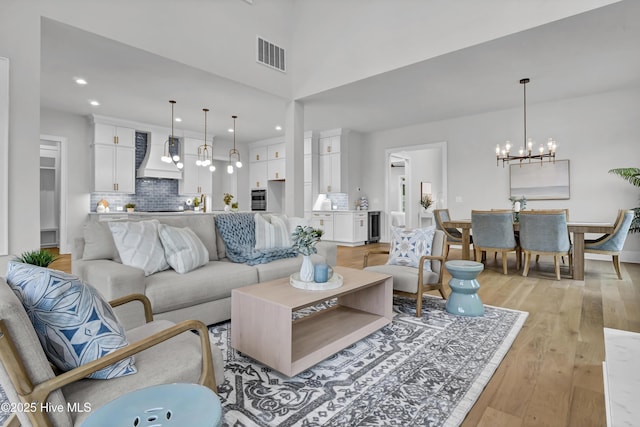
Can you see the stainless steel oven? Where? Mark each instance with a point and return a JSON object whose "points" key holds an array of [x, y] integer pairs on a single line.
{"points": [[258, 200]]}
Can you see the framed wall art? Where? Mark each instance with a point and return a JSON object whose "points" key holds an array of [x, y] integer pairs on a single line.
{"points": [[536, 181]]}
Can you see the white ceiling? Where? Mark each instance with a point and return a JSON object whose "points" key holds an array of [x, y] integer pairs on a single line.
{"points": [[588, 53]]}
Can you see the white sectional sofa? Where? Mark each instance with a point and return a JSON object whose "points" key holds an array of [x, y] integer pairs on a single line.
{"points": [[203, 294]]}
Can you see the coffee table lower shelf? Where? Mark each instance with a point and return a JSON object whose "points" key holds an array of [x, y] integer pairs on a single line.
{"points": [[262, 325]]}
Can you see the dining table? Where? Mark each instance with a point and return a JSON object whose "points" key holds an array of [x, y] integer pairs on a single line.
{"points": [[578, 229]]}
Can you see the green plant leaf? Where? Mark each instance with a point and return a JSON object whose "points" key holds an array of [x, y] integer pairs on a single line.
{"points": [[41, 258], [632, 175]]}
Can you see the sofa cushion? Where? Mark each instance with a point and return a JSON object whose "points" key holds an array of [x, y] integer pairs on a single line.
{"points": [[271, 232], [169, 291], [98, 242], [182, 248], [407, 246], [139, 245], [74, 324], [202, 225]]}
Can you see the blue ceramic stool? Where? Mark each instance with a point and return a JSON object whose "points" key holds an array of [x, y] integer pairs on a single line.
{"points": [[464, 299], [163, 405]]}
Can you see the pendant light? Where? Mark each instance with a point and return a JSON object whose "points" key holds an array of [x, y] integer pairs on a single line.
{"points": [[204, 152], [234, 153], [526, 152], [171, 148]]}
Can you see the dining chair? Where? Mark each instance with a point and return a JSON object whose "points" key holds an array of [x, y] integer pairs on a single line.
{"points": [[562, 258], [611, 244], [413, 282], [493, 232], [545, 232], [453, 235]]}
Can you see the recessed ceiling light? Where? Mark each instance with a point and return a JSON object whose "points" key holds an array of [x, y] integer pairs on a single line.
{"points": [[178, 119], [94, 103], [230, 130], [81, 81], [278, 127]]}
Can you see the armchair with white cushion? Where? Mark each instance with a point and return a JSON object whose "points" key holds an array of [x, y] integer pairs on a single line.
{"points": [[164, 353]]}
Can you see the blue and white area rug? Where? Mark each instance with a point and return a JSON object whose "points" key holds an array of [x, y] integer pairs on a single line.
{"points": [[425, 371]]}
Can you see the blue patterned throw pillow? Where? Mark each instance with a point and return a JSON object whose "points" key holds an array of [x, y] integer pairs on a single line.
{"points": [[407, 246], [74, 324]]}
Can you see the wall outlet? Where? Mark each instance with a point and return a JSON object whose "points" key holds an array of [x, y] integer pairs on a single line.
{"points": [[119, 208], [458, 199]]}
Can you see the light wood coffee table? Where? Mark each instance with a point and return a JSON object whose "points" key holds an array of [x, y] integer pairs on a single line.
{"points": [[262, 326]]}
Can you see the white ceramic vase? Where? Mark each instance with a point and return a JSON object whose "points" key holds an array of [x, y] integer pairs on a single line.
{"points": [[306, 270], [227, 208]]}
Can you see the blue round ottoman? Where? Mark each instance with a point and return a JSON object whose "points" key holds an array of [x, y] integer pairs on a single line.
{"points": [[464, 299]]}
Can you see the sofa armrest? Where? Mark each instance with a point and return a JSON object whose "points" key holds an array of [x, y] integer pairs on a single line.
{"points": [[329, 251], [77, 250], [114, 280]]}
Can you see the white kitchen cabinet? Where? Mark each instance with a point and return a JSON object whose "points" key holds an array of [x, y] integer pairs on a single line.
{"points": [[276, 151], [330, 176], [350, 227], [276, 169], [196, 180], [110, 134], [258, 174], [329, 144], [324, 222], [361, 227], [113, 159], [257, 154]]}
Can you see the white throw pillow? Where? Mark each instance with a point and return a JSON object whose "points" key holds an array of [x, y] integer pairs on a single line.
{"points": [[271, 232], [407, 246], [182, 248], [139, 245]]}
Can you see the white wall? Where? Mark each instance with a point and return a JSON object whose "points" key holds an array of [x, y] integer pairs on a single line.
{"points": [[76, 130], [596, 133], [338, 42]]}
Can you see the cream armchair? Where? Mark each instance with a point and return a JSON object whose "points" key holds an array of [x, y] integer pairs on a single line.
{"points": [[411, 281], [164, 352]]}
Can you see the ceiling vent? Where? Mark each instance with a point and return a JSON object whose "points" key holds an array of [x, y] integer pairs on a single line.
{"points": [[270, 55]]}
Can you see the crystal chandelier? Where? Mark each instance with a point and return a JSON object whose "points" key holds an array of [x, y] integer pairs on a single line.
{"points": [[526, 152], [204, 151], [233, 153], [171, 149]]}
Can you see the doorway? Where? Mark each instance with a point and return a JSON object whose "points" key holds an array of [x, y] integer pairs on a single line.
{"points": [[53, 195], [407, 168]]}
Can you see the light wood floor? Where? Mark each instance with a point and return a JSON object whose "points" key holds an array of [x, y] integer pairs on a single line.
{"points": [[552, 375]]}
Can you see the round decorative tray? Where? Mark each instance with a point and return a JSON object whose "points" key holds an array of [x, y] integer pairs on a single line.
{"points": [[334, 282]]}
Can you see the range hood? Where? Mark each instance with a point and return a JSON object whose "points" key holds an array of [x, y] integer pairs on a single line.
{"points": [[152, 166]]}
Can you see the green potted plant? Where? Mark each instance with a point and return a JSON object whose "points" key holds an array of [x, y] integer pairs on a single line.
{"points": [[130, 207], [426, 202], [304, 241], [234, 206], [41, 258], [632, 175], [227, 201], [196, 204]]}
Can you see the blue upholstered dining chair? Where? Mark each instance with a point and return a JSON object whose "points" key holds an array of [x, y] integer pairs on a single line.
{"points": [[493, 232], [611, 244], [544, 232], [453, 235]]}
